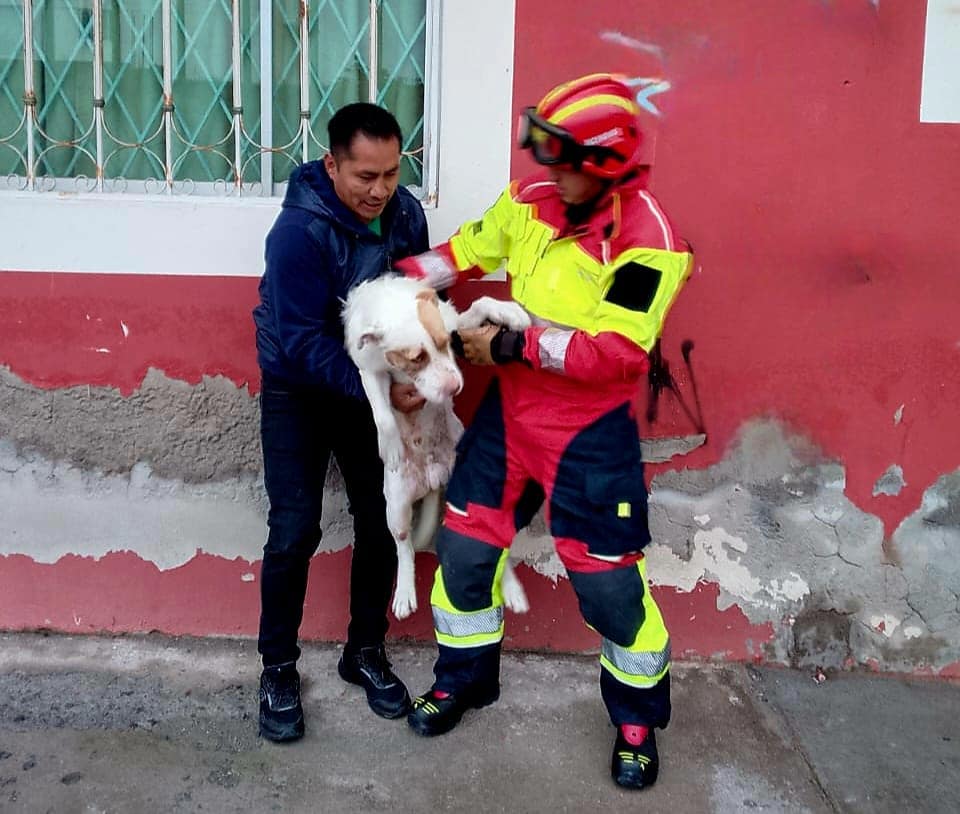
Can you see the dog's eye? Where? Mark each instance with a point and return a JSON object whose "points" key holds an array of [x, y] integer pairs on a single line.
{"points": [[421, 357]]}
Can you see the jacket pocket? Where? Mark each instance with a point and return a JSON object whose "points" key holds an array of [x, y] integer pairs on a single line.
{"points": [[608, 512]]}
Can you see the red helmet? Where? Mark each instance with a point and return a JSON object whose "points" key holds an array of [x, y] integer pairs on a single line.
{"points": [[591, 123]]}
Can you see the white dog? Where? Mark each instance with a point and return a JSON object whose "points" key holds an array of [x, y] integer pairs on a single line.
{"points": [[396, 329]]}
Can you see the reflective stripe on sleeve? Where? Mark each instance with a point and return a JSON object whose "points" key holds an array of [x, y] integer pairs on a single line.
{"points": [[553, 349], [437, 271]]}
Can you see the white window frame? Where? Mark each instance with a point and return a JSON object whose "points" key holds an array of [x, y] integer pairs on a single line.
{"points": [[191, 235]]}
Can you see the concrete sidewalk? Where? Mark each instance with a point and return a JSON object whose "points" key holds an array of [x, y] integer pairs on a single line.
{"points": [[154, 724]]}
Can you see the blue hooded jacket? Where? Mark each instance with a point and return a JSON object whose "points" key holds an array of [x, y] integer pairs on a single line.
{"points": [[316, 251]]}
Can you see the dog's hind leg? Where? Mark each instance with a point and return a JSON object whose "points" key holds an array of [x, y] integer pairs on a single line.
{"points": [[514, 597], [399, 518], [405, 597]]}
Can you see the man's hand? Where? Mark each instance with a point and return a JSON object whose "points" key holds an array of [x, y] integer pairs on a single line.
{"points": [[405, 397], [492, 345], [476, 344]]}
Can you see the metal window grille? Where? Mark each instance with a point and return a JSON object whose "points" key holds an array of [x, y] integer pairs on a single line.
{"points": [[219, 97]]}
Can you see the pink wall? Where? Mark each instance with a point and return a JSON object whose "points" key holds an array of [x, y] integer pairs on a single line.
{"points": [[788, 150], [824, 215]]}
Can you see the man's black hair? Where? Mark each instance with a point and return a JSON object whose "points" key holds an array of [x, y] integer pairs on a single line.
{"points": [[361, 117]]}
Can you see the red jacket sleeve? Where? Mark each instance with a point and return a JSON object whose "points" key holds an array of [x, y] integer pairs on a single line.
{"points": [[606, 357]]}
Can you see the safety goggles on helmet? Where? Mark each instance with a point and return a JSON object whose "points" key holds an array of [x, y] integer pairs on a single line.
{"points": [[552, 145]]}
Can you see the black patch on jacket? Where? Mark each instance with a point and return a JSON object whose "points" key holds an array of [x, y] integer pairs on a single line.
{"points": [[635, 286]]}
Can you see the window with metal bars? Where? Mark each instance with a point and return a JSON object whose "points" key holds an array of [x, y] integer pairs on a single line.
{"points": [[220, 97]]}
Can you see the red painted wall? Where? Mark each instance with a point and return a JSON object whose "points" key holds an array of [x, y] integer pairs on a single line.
{"points": [[824, 215], [56, 327]]}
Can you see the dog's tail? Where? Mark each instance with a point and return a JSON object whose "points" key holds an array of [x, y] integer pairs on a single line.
{"points": [[427, 520]]}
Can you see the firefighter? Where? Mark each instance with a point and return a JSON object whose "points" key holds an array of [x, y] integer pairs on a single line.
{"points": [[592, 257]]}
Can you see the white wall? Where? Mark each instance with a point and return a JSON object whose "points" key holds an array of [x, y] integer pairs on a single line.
{"points": [[940, 93], [85, 232]]}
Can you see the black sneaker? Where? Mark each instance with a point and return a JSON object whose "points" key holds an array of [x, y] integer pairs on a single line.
{"points": [[369, 668], [635, 767], [433, 715], [281, 713]]}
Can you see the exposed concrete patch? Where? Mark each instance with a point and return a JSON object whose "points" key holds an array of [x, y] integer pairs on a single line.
{"points": [[927, 544], [890, 482], [660, 450], [534, 546], [770, 525], [175, 469], [170, 471], [55, 509], [193, 433]]}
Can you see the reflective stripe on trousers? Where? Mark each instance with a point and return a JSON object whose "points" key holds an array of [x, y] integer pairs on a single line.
{"points": [[636, 668], [468, 629]]}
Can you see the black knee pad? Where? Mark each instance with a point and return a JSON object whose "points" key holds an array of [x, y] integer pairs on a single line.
{"points": [[612, 602], [469, 567]]}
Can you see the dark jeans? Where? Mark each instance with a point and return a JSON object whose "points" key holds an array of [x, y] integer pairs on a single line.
{"points": [[300, 427]]}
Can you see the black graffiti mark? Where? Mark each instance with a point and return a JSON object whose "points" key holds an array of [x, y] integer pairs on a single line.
{"points": [[660, 378]]}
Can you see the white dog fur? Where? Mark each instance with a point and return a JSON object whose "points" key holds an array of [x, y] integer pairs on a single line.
{"points": [[397, 330]]}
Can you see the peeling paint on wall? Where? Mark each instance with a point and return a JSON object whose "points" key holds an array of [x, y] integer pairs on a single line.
{"points": [[770, 525], [173, 471], [890, 482], [787, 547], [183, 432], [166, 473]]}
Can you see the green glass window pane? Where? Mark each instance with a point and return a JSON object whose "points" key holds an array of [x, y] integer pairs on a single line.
{"points": [[13, 137], [403, 27], [133, 88], [63, 76], [251, 86], [202, 77], [339, 61], [210, 141], [339, 71], [286, 87]]}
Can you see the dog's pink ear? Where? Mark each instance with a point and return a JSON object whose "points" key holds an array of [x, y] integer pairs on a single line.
{"points": [[369, 337]]}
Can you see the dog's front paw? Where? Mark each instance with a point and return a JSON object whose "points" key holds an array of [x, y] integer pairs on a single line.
{"points": [[513, 316], [499, 312], [404, 603]]}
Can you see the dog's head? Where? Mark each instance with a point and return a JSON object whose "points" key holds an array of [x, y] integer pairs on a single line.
{"points": [[419, 351]]}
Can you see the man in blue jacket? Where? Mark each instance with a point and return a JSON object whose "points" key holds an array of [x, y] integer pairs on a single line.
{"points": [[344, 220]]}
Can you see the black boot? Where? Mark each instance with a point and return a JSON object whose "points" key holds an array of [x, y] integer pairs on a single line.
{"points": [[368, 667], [635, 766], [281, 713], [434, 714]]}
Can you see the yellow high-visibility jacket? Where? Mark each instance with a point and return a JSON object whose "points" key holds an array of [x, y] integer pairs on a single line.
{"points": [[598, 292]]}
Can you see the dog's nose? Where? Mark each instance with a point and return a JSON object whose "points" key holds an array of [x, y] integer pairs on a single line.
{"points": [[453, 384]]}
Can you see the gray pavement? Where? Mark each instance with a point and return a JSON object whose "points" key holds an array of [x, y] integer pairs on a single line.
{"points": [[145, 724]]}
